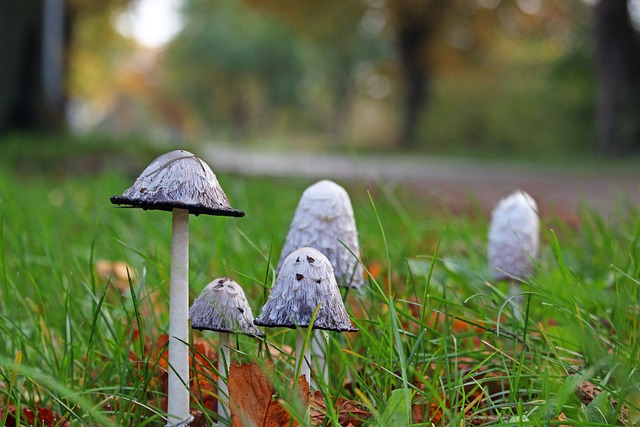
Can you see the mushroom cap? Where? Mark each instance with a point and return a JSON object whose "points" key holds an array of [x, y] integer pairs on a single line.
{"points": [[306, 281], [223, 307], [178, 179], [514, 236], [323, 219]]}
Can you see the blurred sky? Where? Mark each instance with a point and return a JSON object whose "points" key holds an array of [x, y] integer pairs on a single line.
{"points": [[152, 23]]}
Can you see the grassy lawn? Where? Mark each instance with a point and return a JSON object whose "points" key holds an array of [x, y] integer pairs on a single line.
{"points": [[438, 341]]}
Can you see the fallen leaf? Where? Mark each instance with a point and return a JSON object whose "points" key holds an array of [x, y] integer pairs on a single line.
{"points": [[350, 413], [118, 271], [280, 351], [44, 417], [250, 395], [586, 392], [426, 413], [203, 379], [252, 398]]}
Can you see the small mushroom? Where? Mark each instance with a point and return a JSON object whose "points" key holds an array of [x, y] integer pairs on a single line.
{"points": [[306, 282], [514, 236], [222, 307], [179, 182], [323, 219]]}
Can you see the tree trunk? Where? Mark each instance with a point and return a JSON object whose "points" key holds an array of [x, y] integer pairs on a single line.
{"points": [[22, 101], [20, 47], [416, 22], [618, 73]]}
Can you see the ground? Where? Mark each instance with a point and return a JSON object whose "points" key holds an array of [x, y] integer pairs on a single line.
{"points": [[558, 189]]}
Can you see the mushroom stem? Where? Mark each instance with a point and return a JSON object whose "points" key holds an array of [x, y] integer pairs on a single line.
{"points": [[223, 372], [319, 343], [178, 398], [516, 296], [303, 359]]}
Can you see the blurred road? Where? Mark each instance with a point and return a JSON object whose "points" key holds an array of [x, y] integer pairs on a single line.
{"points": [[451, 181]]}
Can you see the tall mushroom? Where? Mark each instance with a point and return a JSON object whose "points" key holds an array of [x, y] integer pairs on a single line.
{"points": [[324, 220], [222, 307], [514, 237], [179, 182], [306, 282]]}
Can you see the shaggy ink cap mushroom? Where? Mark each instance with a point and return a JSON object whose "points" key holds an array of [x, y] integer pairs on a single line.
{"points": [[306, 281], [323, 220], [178, 180], [514, 236], [222, 307]]}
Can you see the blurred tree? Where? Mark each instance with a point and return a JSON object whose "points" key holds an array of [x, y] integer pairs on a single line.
{"points": [[20, 40], [618, 70], [415, 23], [235, 66], [344, 35], [36, 38], [349, 35], [429, 37]]}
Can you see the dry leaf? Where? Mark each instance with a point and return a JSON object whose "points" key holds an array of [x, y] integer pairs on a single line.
{"points": [[43, 417], [350, 413], [252, 398], [426, 413], [280, 351], [204, 380], [250, 395], [117, 272], [586, 392]]}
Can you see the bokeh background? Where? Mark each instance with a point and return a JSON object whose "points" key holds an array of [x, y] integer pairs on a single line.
{"points": [[499, 78]]}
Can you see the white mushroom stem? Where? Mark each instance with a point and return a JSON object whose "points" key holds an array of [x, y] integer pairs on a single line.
{"points": [[303, 358], [516, 297], [223, 373], [178, 398], [319, 341]]}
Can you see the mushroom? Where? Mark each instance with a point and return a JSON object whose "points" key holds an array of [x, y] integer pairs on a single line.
{"points": [[179, 182], [222, 307], [306, 282], [324, 220], [514, 237]]}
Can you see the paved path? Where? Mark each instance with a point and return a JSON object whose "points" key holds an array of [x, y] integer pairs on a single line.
{"points": [[446, 180]]}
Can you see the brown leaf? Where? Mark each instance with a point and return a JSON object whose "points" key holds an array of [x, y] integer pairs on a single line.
{"points": [[349, 412], [426, 413], [250, 395], [118, 272], [204, 380], [43, 417], [586, 392], [199, 420]]}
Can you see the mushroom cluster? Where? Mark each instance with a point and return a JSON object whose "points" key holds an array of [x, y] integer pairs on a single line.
{"points": [[305, 286], [324, 220], [321, 253], [182, 183]]}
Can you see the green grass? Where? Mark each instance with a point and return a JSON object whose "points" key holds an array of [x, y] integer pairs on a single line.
{"points": [[68, 340]]}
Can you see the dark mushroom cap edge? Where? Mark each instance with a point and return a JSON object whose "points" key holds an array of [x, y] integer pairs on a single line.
{"points": [[169, 206]]}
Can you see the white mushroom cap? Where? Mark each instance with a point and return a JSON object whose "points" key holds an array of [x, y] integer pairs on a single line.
{"points": [[306, 281], [514, 236], [223, 307], [178, 179], [324, 218]]}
